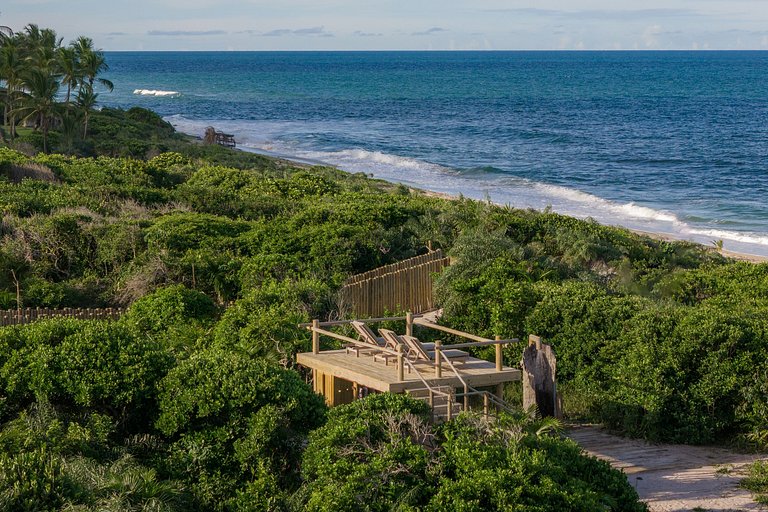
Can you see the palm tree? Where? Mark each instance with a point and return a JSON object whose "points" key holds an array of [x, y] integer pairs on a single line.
{"points": [[40, 101], [40, 46], [69, 67], [12, 67], [92, 63], [86, 100]]}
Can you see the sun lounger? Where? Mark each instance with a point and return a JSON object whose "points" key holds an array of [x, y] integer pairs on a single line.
{"points": [[418, 352], [367, 336]]}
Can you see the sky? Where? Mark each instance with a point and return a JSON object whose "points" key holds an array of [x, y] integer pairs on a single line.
{"points": [[117, 25]]}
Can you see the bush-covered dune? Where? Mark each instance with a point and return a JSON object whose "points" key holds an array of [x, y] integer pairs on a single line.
{"points": [[191, 400]]}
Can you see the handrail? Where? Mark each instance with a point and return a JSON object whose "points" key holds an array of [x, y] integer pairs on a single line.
{"points": [[483, 343], [458, 375], [421, 378], [479, 341], [437, 327], [469, 390], [332, 323]]}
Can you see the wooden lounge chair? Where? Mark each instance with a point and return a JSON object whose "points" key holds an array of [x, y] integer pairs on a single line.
{"points": [[391, 341], [367, 336], [419, 352]]}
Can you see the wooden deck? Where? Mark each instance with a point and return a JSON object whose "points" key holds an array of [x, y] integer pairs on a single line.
{"points": [[364, 371]]}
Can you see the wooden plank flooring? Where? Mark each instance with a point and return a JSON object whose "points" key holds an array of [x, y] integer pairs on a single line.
{"points": [[376, 375]]}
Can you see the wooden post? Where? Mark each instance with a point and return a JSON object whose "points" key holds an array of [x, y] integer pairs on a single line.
{"points": [[500, 393], [466, 398], [315, 336], [438, 359], [409, 324], [539, 367], [432, 404], [400, 377], [499, 358], [485, 405]]}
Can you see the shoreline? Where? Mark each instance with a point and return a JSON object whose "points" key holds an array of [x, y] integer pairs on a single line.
{"points": [[735, 255]]}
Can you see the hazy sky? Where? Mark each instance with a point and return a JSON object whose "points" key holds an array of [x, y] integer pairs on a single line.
{"points": [[399, 24]]}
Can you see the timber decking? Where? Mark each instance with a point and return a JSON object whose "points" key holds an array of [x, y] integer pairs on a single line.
{"points": [[372, 374]]}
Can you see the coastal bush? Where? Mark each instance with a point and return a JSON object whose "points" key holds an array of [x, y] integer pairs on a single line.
{"points": [[30, 369], [264, 323], [235, 420], [177, 233], [402, 461], [507, 465], [87, 365], [168, 308], [391, 440]]}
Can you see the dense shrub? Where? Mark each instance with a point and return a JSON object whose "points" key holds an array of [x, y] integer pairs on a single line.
{"points": [[238, 422], [99, 366], [265, 322], [381, 453]]}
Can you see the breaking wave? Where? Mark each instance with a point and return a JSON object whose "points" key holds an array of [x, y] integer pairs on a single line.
{"points": [[156, 93]]}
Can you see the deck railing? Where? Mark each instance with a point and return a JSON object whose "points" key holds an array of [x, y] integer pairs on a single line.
{"points": [[319, 329]]}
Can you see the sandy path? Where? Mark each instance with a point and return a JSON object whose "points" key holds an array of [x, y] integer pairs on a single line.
{"points": [[674, 477]]}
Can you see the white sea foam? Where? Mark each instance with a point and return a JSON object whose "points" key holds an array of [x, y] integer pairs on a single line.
{"points": [[379, 159], [626, 210], [743, 237], [156, 92]]}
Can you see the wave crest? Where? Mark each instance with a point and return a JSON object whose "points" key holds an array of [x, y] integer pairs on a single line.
{"points": [[735, 236], [156, 92], [627, 210]]}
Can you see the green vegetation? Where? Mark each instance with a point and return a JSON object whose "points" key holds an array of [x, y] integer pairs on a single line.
{"points": [[35, 67], [757, 481], [191, 401]]}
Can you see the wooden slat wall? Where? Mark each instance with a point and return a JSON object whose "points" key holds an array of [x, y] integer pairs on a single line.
{"points": [[400, 265], [403, 286], [29, 315]]}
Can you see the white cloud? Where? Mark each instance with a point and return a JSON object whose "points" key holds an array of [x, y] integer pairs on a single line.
{"points": [[650, 36]]}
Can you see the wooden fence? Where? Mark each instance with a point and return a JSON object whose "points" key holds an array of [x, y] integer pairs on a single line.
{"points": [[29, 315], [402, 286]]}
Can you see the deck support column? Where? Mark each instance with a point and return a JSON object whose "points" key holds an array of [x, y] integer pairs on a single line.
{"points": [[400, 376], [439, 359]]}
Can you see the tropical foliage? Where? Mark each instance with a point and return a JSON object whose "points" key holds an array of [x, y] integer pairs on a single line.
{"points": [[34, 68]]}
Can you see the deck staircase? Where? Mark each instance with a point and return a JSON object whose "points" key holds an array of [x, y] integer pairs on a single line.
{"points": [[441, 399]]}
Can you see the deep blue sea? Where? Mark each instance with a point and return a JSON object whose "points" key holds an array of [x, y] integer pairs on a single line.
{"points": [[670, 142]]}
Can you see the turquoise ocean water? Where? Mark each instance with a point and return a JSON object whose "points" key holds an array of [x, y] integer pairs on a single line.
{"points": [[670, 142]]}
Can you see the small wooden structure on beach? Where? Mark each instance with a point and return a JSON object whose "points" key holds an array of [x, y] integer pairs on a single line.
{"points": [[343, 376], [222, 139]]}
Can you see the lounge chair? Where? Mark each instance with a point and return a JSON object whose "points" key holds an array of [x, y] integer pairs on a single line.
{"points": [[419, 351], [391, 341], [367, 336]]}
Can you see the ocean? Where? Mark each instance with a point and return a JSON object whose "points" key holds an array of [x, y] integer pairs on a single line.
{"points": [[668, 142]]}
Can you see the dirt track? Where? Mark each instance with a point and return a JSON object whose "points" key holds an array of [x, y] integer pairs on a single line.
{"points": [[674, 477]]}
